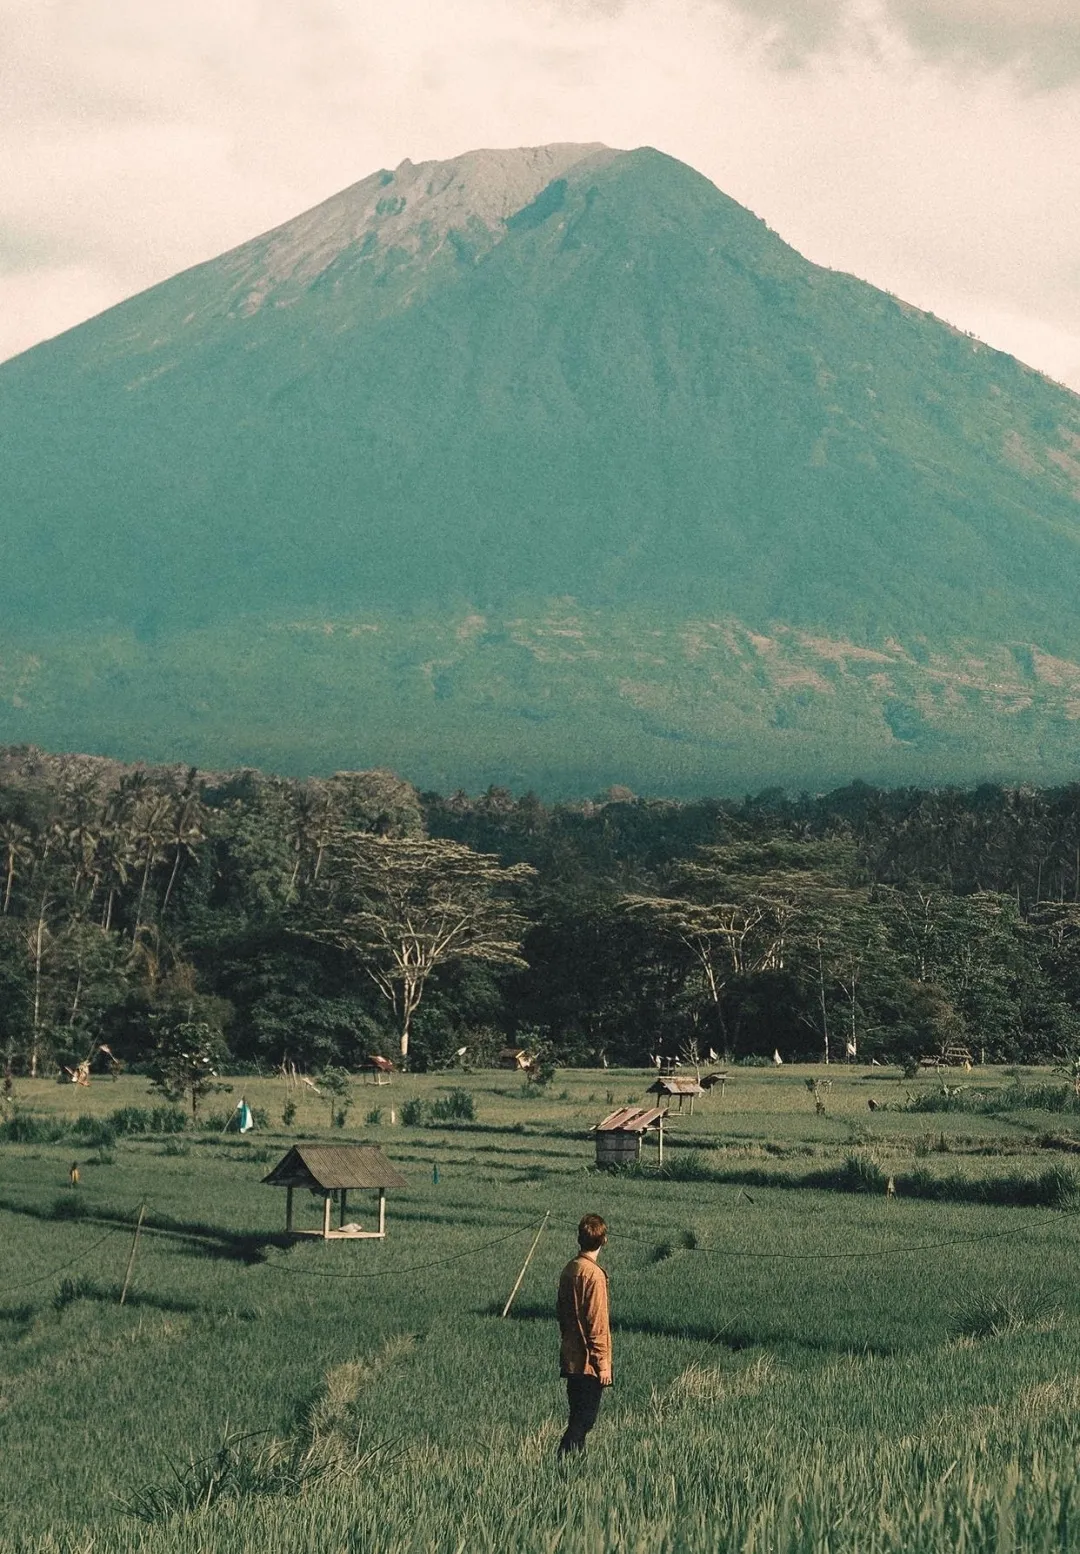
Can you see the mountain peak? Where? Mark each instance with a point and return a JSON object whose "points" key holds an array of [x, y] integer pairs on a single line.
{"points": [[414, 207]]}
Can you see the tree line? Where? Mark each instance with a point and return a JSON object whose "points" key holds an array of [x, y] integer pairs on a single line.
{"points": [[317, 921]]}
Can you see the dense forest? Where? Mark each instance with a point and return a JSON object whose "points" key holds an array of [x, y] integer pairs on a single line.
{"points": [[319, 921]]}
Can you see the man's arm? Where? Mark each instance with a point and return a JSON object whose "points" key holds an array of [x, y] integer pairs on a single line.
{"points": [[596, 1324]]}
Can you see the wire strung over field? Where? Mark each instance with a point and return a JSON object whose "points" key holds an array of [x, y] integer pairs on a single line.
{"points": [[745, 1253]]}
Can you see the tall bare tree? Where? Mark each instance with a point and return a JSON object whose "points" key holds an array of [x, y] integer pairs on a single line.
{"points": [[403, 906]]}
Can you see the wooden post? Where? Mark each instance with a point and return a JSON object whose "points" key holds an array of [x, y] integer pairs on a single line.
{"points": [[660, 1142], [288, 1208], [326, 1215], [382, 1211], [131, 1256], [344, 1195], [525, 1264]]}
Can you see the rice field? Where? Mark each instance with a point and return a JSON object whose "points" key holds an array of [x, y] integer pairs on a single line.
{"points": [[804, 1362]]}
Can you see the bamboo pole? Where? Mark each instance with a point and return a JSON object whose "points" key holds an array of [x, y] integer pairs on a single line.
{"points": [[382, 1212], [131, 1254], [326, 1216], [525, 1264]]}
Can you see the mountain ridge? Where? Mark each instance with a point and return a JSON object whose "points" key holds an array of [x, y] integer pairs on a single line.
{"points": [[625, 390]]}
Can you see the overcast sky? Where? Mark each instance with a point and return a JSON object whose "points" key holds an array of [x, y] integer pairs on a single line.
{"points": [[929, 146]]}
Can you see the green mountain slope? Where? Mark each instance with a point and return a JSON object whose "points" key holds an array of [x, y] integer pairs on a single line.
{"points": [[327, 499]]}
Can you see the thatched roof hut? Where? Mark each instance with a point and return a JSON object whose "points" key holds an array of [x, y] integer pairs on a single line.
{"points": [[333, 1170], [679, 1088]]}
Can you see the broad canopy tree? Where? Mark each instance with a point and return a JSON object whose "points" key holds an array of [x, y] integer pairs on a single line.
{"points": [[403, 906]]}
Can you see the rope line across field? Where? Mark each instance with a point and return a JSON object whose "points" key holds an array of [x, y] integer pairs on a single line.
{"points": [[73, 1262], [702, 1251]]}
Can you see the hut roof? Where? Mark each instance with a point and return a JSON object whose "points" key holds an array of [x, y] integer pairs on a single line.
{"points": [[676, 1087], [632, 1119], [335, 1165]]}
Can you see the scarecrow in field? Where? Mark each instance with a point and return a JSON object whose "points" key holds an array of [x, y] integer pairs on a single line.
{"points": [[585, 1333]]}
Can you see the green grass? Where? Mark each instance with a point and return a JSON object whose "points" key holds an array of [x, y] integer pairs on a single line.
{"points": [[797, 1367]]}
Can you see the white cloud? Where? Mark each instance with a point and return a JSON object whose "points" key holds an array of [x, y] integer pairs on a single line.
{"points": [[900, 139]]}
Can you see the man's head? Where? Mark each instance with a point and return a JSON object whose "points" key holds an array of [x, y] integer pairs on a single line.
{"points": [[591, 1233]]}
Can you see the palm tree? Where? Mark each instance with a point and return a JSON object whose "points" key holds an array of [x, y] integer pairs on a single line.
{"points": [[15, 844], [188, 821]]}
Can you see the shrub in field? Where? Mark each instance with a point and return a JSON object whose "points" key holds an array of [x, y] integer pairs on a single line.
{"points": [[374, 1117], [72, 1289], [130, 1119], [94, 1130], [1015, 1097], [70, 1206], [412, 1113], [688, 1165], [175, 1146], [1008, 1309], [167, 1119], [861, 1174], [288, 1112], [458, 1104], [25, 1128]]}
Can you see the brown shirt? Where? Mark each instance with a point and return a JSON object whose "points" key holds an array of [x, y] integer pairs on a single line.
{"points": [[584, 1321]]}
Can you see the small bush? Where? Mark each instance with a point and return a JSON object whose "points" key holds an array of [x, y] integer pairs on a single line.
{"points": [[94, 1130], [374, 1117], [1002, 1311], [175, 1146], [412, 1113], [688, 1166], [70, 1206], [72, 1289], [288, 1112], [458, 1104], [131, 1119], [25, 1128], [167, 1119], [861, 1174]]}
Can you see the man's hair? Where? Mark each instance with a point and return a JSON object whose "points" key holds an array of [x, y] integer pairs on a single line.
{"points": [[591, 1233]]}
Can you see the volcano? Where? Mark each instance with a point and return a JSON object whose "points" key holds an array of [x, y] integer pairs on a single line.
{"points": [[552, 468]]}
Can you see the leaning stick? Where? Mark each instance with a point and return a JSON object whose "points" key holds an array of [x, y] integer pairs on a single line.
{"points": [[131, 1256], [525, 1264]]}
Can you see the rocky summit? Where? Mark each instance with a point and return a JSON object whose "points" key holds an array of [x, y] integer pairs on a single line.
{"points": [[554, 468]]}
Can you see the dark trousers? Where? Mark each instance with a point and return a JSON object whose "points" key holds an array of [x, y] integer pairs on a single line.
{"points": [[583, 1394]]}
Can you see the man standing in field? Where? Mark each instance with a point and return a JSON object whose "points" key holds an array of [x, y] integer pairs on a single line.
{"points": [[585, 1333]]}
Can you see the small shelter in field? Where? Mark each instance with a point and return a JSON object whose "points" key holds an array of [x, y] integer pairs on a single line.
{"points": [[710, 1081], [619, 1136], [333, 1171], [515, 1057], [677, 1087], [381, 1069]]}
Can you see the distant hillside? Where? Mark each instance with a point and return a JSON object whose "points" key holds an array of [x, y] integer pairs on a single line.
{"points": [[552, 467]]}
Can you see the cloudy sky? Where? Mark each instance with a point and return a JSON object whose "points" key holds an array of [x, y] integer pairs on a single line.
{"points": [[929, 146]]}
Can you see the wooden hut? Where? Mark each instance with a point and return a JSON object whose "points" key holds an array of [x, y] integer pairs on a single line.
{"points": [[381, 1069], [515, 1057], [678, 1087], [333, 1171], [619, 1136]]}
